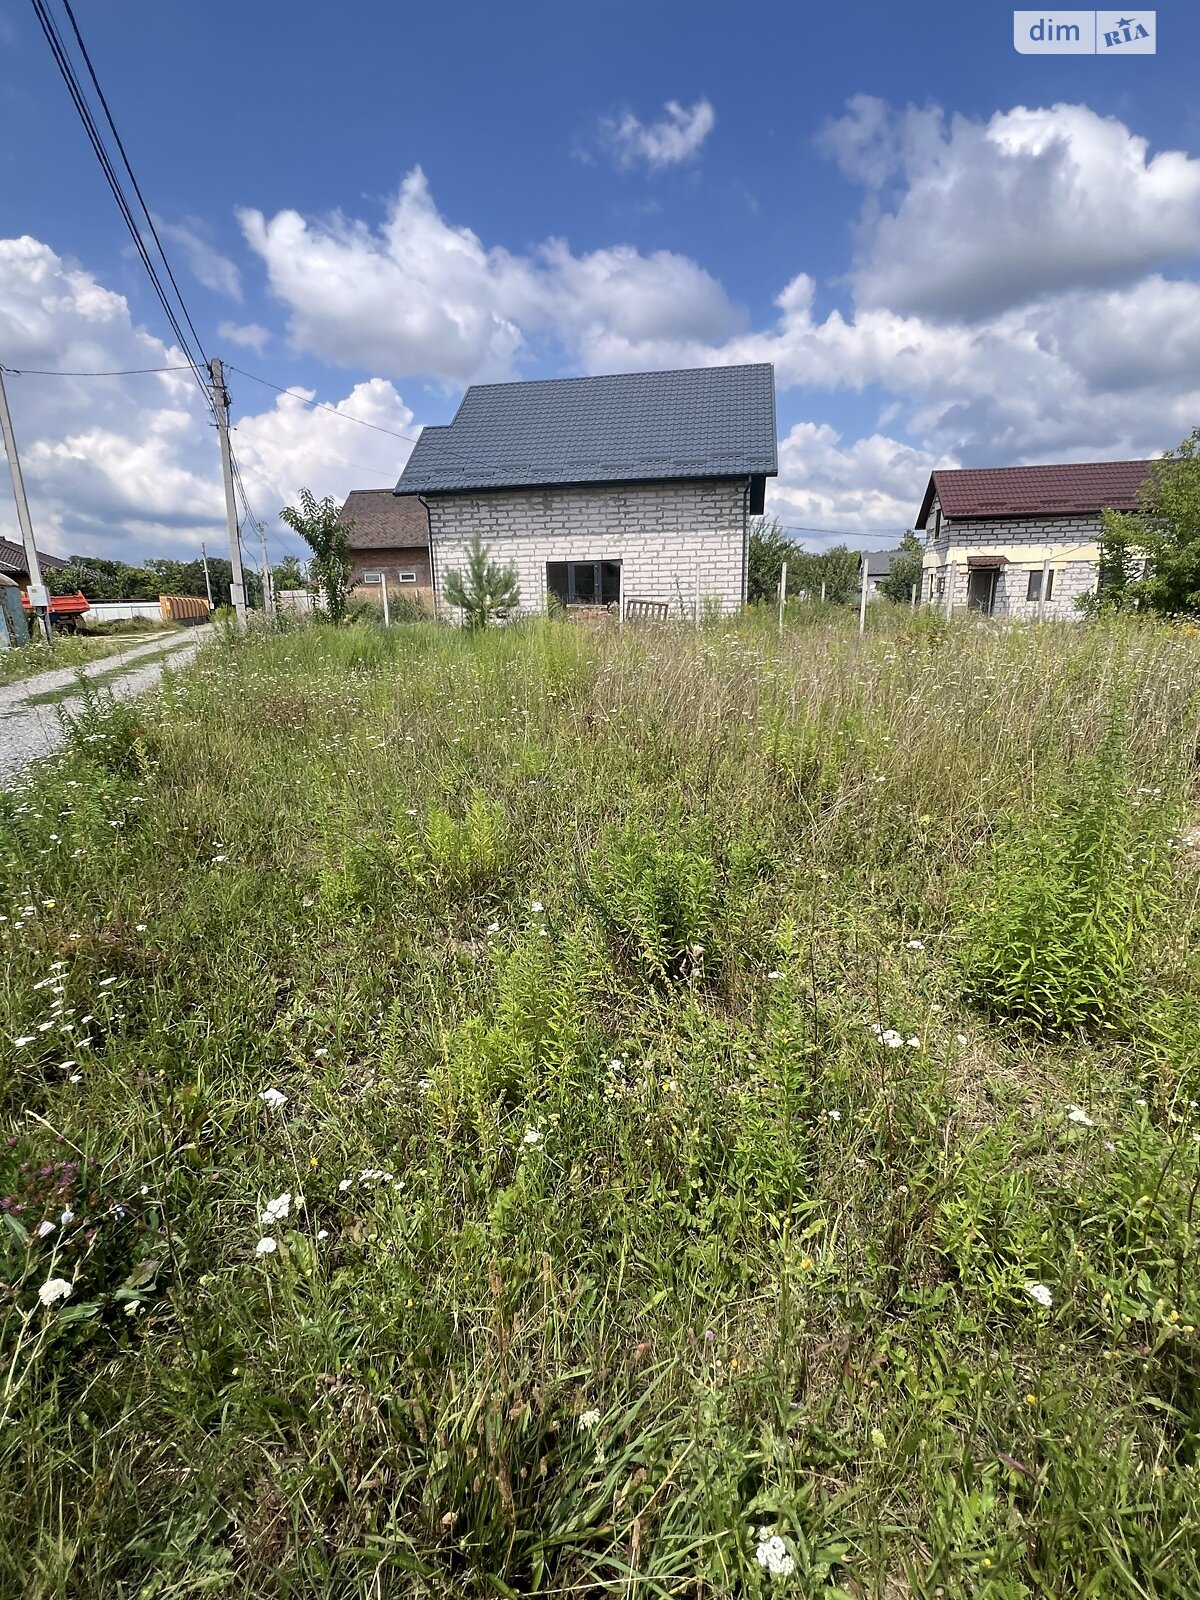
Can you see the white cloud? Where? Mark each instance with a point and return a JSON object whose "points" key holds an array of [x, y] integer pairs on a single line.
{"points": [[205, 262], [250, 335], [862, 490], [128, 467], [676, 137], [988, 216], [293, 446], [420, 295]]}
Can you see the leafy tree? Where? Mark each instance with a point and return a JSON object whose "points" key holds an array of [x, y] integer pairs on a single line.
{"points": [[102, 578], [289, 574], [1122, 537], [905, 575], [320, 526], [769, 548], [485, 589], [837, 569], [1167, 531]]}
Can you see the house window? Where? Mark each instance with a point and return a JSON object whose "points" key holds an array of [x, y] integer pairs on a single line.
{"points": [[941, 583], [937, 523], [372, 577], [407, 577], [584, 583], [1034, 591]]}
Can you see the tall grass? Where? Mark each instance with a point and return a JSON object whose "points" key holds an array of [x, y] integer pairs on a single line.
{"points": [[675, 1119]]}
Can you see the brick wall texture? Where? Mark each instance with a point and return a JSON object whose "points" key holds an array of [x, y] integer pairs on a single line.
{"points": [[1070, 544], [665, 535]]}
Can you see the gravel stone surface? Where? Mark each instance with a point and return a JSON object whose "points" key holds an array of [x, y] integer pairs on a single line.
{"points": [[28, 732]]}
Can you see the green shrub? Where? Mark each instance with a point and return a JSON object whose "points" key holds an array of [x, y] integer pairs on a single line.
{"points": [[1064, 901]]}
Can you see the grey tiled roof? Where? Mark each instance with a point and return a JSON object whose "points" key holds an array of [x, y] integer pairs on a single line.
{"points": [[879, 562], [704, 422]]}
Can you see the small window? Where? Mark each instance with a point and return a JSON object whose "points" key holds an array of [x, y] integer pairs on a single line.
{"points": [[941, 583], [372, 577], [407, 577], [1034, 591], [937, 523]]}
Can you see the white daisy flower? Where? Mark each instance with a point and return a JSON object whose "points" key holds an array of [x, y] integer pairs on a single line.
{"points": [[1040, 1293], [274, 1098]]}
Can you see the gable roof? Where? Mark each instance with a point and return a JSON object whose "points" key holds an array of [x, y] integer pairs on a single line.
{"points": [[878, 562], [381, 521], [702, 422], [1036, 491], [12, 559]]}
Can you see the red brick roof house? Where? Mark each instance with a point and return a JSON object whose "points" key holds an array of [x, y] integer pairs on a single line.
{"points": [[389, 540], [996, 536]]}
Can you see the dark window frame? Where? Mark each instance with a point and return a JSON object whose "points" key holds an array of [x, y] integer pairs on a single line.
{"points": [[1033, 590], [565, 581]]}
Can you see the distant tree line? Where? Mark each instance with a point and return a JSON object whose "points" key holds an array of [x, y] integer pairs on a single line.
{"points": [[103, 579], [836, 568]]}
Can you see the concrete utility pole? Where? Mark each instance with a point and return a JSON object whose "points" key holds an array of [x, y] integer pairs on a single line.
{"points": [[220, 395], [39, 600], [207, 584], [268, 582], [387, 615], [782, 593]]}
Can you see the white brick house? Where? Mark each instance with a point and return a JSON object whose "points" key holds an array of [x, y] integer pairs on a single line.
{"points": [[995, 535], [601, 491]]}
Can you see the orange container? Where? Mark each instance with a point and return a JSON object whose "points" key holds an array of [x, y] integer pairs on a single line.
{"points": [[183, 608]]}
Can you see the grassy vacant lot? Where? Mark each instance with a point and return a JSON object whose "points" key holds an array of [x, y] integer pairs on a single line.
{"points": [[704, 1054]]}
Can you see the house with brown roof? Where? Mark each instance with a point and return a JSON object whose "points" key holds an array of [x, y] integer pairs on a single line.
{"points": [[14, 563], [389, 542], [1021, 542]]}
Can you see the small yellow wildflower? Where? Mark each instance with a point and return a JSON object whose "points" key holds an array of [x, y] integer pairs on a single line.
{"points": [[806, 1264], [1031, 1399]]}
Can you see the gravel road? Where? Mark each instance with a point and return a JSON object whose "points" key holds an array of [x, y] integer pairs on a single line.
{"points": [[27, 732]]}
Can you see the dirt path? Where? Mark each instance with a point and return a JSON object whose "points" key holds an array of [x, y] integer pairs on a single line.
{"points": [[29, 731]]}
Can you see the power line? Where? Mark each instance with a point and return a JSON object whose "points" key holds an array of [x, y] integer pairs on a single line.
{"points": [[321, 406], [79, 100], [87, 60], [125, 372]]}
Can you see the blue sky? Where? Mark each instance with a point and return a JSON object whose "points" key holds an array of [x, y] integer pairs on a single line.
{"points": [[952, 252]]}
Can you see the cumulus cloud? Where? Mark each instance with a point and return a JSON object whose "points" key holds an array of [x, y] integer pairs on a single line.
{"points": [[205, 262], [866, 488], [965, 219], [128, 467], [250, 335], [676, 137], [420, 295]]}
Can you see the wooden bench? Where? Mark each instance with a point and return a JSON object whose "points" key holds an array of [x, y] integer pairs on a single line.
{"points": [[647, 610]]}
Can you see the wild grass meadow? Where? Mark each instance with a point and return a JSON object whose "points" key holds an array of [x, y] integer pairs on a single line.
{"points": [[645, 1113]]}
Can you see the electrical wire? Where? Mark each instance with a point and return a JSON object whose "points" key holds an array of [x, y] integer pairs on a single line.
{"points": [[79, 100], [320, 405], [87, 61], [125, 372]]}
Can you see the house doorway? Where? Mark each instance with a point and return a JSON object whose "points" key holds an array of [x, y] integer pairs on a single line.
{"points": [[981, 589]]}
